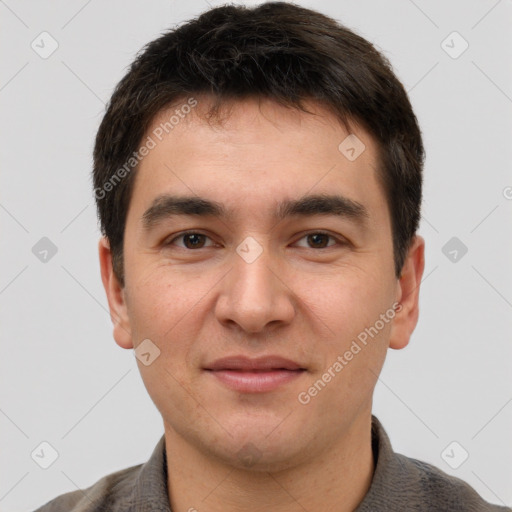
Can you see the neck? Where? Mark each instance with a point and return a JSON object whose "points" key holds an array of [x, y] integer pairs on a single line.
{"points": [[336, 480]]}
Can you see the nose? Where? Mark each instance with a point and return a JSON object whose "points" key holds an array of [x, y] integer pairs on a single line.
{"points": [[255, 295]]}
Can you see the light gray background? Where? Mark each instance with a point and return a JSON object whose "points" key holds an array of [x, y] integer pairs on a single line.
{"points": [[65, 381]]}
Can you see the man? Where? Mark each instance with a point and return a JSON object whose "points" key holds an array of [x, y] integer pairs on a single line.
{"points": [[258, 179]]}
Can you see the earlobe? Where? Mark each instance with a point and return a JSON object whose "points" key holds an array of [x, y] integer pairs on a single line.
{"points": [[115, 296], [406, 318]]}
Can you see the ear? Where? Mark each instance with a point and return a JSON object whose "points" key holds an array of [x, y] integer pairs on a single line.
{"points": [[115, 295], [406, 316]]}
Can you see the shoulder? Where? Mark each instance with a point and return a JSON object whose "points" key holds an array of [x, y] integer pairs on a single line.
{"points": [[401, 483], [143, 485], [111, 493], [426, 484]]}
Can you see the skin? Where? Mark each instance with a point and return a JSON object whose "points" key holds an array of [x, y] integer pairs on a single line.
{"points": [[295, 300]]}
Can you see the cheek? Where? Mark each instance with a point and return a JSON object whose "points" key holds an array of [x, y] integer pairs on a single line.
{"points": [[355, 345], [169, 307], [160, 311], [157, 304], [347, 301]]}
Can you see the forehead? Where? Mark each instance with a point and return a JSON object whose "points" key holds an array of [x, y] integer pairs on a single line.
{"points": [[252, 121], [254, 151]]}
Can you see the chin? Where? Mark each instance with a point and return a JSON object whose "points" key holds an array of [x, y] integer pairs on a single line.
{"points": [[260, 457], [262, 448]]}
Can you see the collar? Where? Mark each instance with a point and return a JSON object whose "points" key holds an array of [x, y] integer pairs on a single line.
{"points": [[150, 491]]}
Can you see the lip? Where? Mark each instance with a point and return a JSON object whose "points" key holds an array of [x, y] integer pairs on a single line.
{"points": [[248, 364], [254, 375]]}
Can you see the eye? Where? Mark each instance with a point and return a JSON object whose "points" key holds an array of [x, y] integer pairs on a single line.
{"points": [[195, 240], [191, 240], [319, 240]]}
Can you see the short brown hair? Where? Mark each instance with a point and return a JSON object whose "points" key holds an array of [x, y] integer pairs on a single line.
{"points": [[278, 51]]}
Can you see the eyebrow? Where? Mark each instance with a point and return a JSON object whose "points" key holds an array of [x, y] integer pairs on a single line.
{"points": [[166, 206]]}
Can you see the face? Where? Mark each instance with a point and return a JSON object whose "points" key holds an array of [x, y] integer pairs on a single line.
{"points": [[281, 260]]}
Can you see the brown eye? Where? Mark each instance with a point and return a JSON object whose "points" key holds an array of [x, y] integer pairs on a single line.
{"points": [[194, 240], [319, 240], [191, 240]]}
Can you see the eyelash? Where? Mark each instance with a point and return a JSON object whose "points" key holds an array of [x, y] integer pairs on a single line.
{"points": [[337, 240]]}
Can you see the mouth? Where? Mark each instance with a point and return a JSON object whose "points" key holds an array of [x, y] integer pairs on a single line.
{"points": [[249, 375]]}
